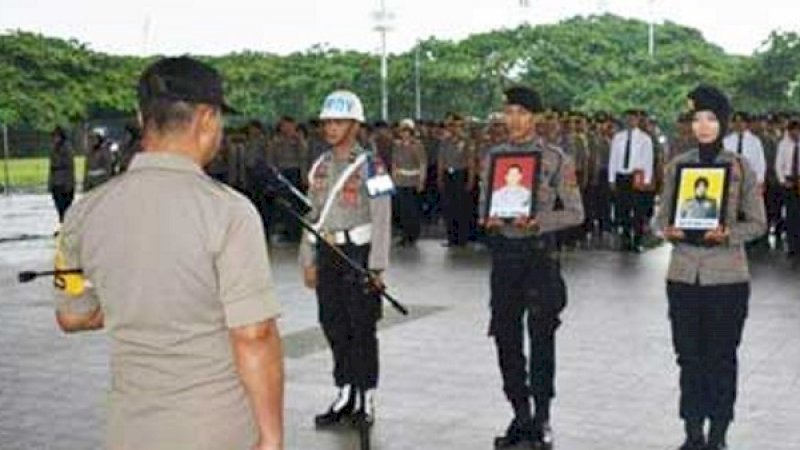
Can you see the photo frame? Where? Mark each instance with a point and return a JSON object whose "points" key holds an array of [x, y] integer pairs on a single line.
{"points": [[700, 196], [512, 185]]}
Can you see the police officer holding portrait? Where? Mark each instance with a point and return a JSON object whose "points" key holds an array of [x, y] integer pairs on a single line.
{"points": [[526, 280], [351, 196], [708, 282]]}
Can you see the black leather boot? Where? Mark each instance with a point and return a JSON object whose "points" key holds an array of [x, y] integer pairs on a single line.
{"points": [[520, 430], [341, 409]]}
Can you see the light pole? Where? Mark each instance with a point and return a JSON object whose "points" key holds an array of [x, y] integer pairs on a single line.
{"points": [[383, 25], [651, 47], [417, 84], [7, 176]]}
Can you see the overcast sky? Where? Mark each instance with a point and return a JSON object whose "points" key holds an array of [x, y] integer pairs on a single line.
{"points": [[217, 27]]}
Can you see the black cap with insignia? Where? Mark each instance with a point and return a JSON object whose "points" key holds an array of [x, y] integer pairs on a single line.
{"points": [[525, 97], [183, 79]]}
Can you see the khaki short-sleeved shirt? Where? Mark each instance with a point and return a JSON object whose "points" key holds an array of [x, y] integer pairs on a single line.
{"points": [[174, 259]]}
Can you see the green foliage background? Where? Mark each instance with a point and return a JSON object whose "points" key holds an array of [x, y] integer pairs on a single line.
{"points": [[586, 63]]}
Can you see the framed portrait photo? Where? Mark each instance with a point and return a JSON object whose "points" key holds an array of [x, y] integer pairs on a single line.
{"points": [[512, 185], [701, 194]]}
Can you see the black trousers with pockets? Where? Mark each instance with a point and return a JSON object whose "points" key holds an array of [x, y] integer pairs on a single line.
{"points": [[528, 295], [707, 324], [349, 316]]}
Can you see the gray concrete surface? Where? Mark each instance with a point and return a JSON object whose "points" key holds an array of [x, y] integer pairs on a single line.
{"points": [[440, 384]]}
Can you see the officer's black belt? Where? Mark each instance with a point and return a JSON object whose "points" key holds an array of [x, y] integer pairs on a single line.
{"points": [[545, 243]]}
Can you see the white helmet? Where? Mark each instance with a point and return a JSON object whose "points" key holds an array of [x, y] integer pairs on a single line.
{"points": [[342, 105]]}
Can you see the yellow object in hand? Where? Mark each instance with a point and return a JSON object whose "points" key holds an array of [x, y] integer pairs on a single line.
{"points": [[73, 285]]}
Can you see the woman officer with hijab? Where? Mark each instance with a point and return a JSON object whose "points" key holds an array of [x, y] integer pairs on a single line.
{"points": [[708, 282]]}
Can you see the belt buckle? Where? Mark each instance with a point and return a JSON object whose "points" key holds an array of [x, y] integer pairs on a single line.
{"points": [[451, 170]]}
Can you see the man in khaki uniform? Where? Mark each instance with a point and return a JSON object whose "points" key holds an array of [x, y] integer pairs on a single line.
{"points": [[61, 182], [99, 166], [456, 177], [289, 153], [177, 271], [409, 169]]}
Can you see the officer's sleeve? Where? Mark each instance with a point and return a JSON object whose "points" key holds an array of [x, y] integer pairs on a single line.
{"points": [[781, 161], [648, 159], [485, 185], [760, 164], [667, 198], [73, 293], [423, 160], [245, 283], [753, 223], [613, 161], [569, 192]]}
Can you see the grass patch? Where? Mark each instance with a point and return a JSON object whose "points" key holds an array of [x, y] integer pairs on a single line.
{"points": [[32, 173]]}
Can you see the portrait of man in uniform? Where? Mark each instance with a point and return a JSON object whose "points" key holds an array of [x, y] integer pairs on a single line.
{"points": [[700, 206], [513, 181], [701, 197]]}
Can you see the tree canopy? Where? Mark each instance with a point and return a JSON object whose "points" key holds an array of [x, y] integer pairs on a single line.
{"points": [[585, 63]]}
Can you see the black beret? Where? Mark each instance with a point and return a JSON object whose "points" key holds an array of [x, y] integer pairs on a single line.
{"points": [[524, 97], [709, 98]]}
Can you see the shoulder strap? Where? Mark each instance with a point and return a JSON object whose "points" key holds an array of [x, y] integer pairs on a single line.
{"points": [[346, 174]]}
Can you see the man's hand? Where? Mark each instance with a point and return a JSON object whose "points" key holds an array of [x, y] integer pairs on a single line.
{"points": [[718, 236], [74, 323], [421, 187], [376, 281], [310, 277], [490, 223], [613, 187], [673, 234], [526, 223]]}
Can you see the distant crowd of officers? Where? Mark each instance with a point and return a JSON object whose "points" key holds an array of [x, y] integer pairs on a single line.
{"points": [[436, 167]]}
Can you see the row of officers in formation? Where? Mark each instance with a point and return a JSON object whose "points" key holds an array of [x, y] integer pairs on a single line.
{"points": [[619, 163], [174, 264]]}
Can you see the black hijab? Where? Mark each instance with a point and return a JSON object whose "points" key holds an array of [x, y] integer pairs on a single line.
{"points": [[710, 98]]}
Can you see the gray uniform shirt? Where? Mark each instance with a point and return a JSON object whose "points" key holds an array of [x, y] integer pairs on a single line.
{"points": [[99, 167], [351, 208], [175, 260], [556, 180], [289, 153], [409, 163], [62, 169], [455, 154], [745, 218]]}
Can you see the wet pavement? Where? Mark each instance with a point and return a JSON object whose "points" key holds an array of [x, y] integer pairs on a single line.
{"points": [[440, 387]]}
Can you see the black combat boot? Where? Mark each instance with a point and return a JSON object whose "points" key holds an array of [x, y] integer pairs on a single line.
{"points": [[695, 438], [341, 409], [364, 409], [520, 430]]}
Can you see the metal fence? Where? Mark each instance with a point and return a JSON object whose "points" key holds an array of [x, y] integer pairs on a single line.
{"points": [[25, 152]]}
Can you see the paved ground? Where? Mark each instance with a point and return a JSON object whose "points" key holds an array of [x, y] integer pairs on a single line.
{"points": [[440, 385]]}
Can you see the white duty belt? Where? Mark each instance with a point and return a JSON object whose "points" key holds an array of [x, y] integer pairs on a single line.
{"points": [[409, 172], [360, 235]]}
